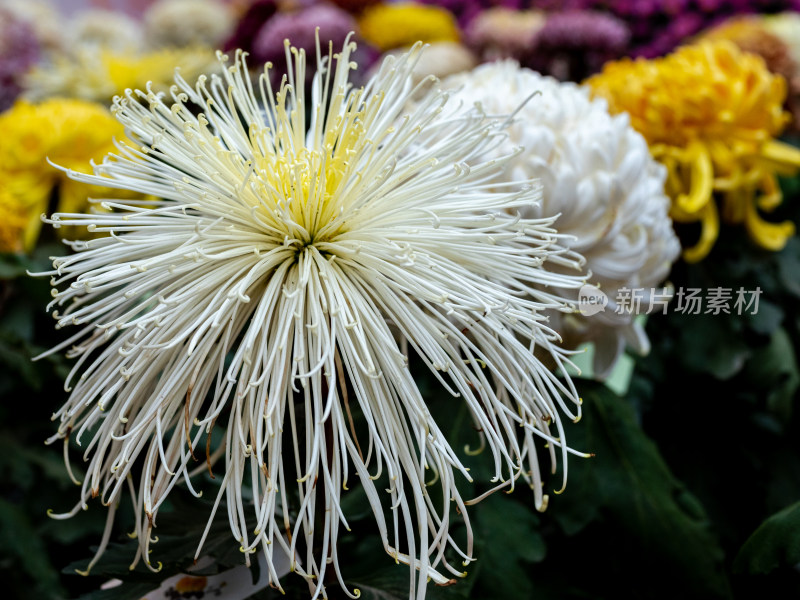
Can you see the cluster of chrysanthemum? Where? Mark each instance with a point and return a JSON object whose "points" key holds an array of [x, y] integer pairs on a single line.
{"points": [[58, 76], [70, 133], [103, 53], [98, 53], [567, 39], [329, 225], [710, 113], [659, 26], [461, 33], [326, 238]]}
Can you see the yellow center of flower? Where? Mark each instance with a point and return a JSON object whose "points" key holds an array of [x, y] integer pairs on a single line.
{"points": [[305, 185], [709, 113], [302, 188]]}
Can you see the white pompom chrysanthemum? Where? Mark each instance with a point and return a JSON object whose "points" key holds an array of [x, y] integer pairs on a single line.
{"points": [[599, 180], [303, 248], [104, 29], [182, 23]]}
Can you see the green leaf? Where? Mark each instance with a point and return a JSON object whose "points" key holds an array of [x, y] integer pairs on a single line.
{"points": [[17, 321], [767, 319], [712, 344], [385, 584], [179, 531], [775, 370], [19, 539], [776, 543], [789, 266], [12, 265], [19, 362], [354, 502], [508, 541], [652, 517]]}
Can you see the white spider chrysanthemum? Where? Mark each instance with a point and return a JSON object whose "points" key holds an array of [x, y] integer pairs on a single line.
{"points": [[601, 183], [279, 287]]}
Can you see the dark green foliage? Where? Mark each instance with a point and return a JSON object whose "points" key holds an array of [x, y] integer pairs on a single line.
{"points": [[650, 524], [774, 545]]}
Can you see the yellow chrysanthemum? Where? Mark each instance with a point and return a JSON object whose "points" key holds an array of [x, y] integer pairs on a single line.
{"points": [[710, 114], [100, 75], [388, 26], [69, 133], [12, 222], [750, 34]]}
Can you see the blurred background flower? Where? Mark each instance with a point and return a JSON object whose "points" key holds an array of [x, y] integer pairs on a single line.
{"points": [[98, 74], [658, 26], [188, 23], [786, 27], [500, 32], [572, 45], [44, 18], [19, 50], [388, 26], [710, 114], [249, 22], [103, 29], [750, 34], [67, 132], [355, 6], [441, 59], [601, 183], [300, 26]]}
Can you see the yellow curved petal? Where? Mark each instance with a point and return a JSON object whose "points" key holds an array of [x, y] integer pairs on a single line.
{"points": [[770, 236], [772, 196], [65, 131], [701, 179], [783, 158], [673, 185], [708, 235], [734, 205]]}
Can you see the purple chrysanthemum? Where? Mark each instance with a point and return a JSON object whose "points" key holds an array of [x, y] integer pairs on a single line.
{"points": [[19, 50], [253, 19], [466, 10], [300, 27], [574, 44], [658, 26]]}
